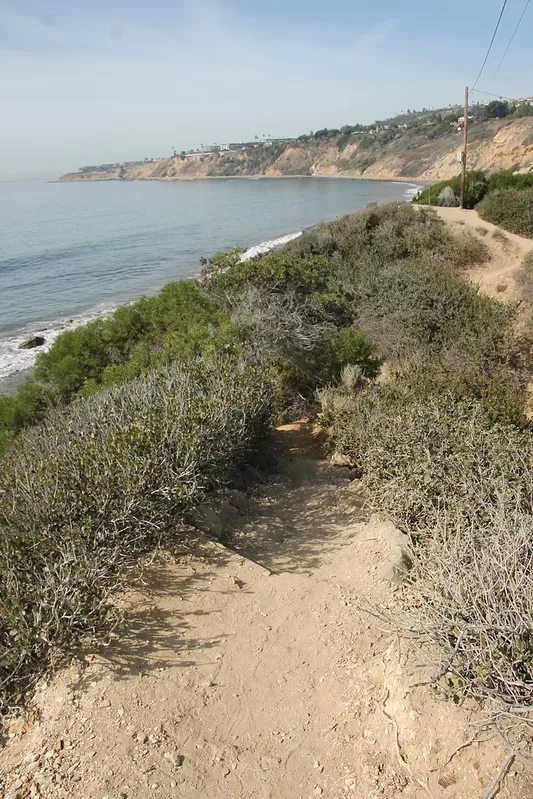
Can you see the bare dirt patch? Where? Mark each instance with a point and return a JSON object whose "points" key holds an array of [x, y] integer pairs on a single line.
{"points": [[253, 670]]}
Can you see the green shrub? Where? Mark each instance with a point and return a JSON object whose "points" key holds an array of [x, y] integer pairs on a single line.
{"points": [[512, 209], [353, 347], [507, 179], [180, 322], [91, 487]]}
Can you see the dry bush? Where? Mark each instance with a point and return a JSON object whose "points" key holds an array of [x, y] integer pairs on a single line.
{"points": [[460, 483], [527, 263], [466, 250], [423, 456], [500, 237], [274, 323], [476, 586], [82, 494], [482, 231]]}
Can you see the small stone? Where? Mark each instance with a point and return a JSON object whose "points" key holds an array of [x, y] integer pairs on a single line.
{"points": [[173, 784], [318, 791], [31, 343], [316, 764], [50, 754], [31, 757], [176, 760], [141, 738], [338, 459]]}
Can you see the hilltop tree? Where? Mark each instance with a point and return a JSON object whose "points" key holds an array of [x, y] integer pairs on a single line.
{"points": [[497, 109]]}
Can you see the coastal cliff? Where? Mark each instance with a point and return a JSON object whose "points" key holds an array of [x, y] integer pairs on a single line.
{"points": [[383, 154]]}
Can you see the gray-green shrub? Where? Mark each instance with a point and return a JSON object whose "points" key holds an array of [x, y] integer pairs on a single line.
{"points": [[91, 487], [512, 209], [458, 479]]}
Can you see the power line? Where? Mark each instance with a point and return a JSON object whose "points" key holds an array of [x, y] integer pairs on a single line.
{"points": [[490, 45], [499, 96], [511, 39]]}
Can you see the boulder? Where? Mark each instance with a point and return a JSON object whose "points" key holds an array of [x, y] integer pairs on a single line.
{"points": [[447, 198], [31, 343]]}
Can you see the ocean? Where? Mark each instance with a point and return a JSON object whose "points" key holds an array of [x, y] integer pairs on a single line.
{"points": [[71, 252]]}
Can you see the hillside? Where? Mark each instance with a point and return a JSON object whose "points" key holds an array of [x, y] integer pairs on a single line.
{"points": [[423, 151]]}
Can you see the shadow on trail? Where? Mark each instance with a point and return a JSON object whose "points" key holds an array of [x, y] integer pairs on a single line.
{"points": [[305, 515], [157, 632]]}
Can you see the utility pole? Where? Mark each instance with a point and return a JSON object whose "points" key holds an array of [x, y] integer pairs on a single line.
{"points": [[465, 150]]}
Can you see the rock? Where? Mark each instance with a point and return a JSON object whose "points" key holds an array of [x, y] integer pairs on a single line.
{"points": [[238, 500], [318, 791], [31, 343], [229, 513], [31, 757], [176, 760], [208, 521], [397, 571], [338, 459], [401, 559]]}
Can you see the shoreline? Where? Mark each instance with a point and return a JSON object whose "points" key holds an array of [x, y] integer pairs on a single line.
{"points": [[22, 363], [408, 181]]}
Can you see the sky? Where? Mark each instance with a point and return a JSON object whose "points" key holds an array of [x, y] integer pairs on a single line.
{"points": [[95, 81]]}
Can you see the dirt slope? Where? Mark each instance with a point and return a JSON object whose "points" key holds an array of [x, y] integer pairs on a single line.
{"points": [[233, 680]]}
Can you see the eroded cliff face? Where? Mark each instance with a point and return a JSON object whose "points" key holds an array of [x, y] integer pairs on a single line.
{"points": [[495, 145]]}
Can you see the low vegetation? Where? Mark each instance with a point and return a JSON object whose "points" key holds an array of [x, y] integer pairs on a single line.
{"points": [[90, 488], [510, 208], [478, 185], [128, 423]]}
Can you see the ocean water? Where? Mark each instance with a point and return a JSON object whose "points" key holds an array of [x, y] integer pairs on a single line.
{"points": [[70, 252]]}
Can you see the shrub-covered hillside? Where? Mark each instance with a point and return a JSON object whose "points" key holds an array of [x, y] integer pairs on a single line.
{"points": [[129, 422]]}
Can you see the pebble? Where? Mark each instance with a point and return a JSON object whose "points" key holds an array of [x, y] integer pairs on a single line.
{"points": [[175, 759], [318, 791], [31, 757]]}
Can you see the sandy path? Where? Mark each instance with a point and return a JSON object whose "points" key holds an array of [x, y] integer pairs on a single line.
{"points": [[230, 680], [497, 277]]}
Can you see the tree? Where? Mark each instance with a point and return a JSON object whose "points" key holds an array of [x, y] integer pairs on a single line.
{"points": [[497, 109]]}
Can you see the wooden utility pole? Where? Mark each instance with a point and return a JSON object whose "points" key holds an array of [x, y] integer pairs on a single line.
{"points": [[465, 150]]}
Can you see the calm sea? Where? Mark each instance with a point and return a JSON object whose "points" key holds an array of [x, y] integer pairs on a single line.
{"points": [[73, 251]]}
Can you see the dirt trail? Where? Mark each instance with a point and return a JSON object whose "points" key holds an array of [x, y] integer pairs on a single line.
{"points": [[497, 278], [233, 680]]}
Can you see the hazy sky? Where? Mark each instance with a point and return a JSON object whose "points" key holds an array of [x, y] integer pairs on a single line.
{"points": [[91, 81]]}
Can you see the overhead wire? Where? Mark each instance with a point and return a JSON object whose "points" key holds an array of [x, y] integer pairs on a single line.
{"points": [[496, 29], [511, 40]]}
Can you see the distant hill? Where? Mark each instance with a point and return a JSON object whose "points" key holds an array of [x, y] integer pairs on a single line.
{"points": [[420, 146]]}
